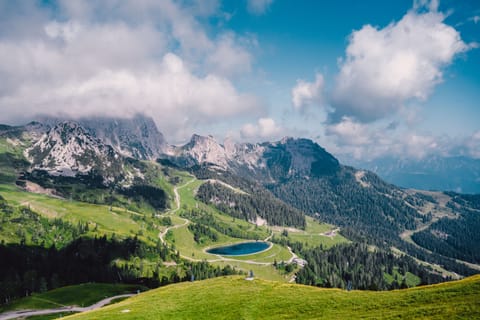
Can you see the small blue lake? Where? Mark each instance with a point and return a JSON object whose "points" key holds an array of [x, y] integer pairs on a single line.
{"points": [[240, 249]]}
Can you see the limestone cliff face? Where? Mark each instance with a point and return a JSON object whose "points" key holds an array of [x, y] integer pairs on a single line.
{"points": [[68, 149], [136, 137]]}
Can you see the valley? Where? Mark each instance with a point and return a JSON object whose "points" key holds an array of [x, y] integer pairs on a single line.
{"points": [[253, 159], [151, 222], [260, 263]]}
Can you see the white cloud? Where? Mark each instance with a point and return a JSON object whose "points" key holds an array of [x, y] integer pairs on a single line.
{"points": [[230, 58], [368, 141], [265, 128], [475, 19], [384, 68], [258, 7], [349, 132], [430, 5], [306, 93], [120, 58]]}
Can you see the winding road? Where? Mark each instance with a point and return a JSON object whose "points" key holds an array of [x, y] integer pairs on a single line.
{"points": [[161, 235], [29, 313]]}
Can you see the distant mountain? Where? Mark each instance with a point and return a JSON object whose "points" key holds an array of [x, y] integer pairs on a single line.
{"points": [[67, 149], [459, 174]]}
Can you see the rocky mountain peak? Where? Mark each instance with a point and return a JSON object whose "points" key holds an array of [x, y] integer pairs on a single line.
{"points": [[136, 137], [68, 149], [269, 161], [205, 149]]}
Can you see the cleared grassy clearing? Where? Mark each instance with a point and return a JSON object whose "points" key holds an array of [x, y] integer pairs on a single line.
{"points": [[104, 221], [410, 279], [264, 272], [314, 235]]}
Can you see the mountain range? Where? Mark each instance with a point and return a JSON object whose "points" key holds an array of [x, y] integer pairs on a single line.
{"points": [[289, 184], [139, 138]]}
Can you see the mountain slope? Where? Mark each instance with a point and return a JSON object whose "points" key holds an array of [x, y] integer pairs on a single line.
{"points": [[305, 176], [235, 298]]}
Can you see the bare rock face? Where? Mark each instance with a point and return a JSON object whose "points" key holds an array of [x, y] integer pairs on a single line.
{"points": [[137, 137], [68, 149]]}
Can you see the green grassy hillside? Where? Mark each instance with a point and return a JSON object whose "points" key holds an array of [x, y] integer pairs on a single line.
{"points": [[236, 298]]}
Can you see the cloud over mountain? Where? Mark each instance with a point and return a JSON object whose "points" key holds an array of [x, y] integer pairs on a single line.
{"points": [[120, 58], [265, 128]]}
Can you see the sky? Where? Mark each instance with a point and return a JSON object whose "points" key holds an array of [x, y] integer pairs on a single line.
{"points": [[365, 79]]}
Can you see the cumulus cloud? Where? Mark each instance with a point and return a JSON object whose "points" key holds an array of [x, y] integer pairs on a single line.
{"points": [[230, 57], [384, 68], [305, 93], [120, 58], [349, 132], [265, 128], [367, 141], [258, 7]]}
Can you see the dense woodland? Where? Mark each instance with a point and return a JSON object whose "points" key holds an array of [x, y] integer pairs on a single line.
{"points": [[456, 238], [466, 200], [37, 269], [249, 206], [364, 268]]}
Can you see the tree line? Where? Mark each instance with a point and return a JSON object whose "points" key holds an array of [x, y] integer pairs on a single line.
{"points": [[455, 238]]}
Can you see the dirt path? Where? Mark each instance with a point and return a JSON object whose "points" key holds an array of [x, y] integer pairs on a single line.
{"points": [[269, 237], [29, 313], [161, 235]]}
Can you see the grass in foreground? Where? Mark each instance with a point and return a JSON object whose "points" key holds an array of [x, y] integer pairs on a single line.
{"points": [[79, 295], [235, 298], [51, 316]]}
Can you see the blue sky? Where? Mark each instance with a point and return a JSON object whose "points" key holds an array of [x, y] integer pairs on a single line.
{"points": [[363, 78]]}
